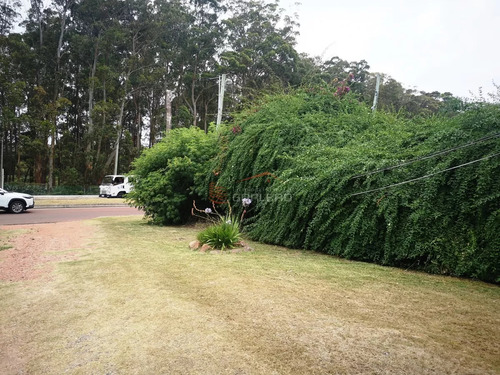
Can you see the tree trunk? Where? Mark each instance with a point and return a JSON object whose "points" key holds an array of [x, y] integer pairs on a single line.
{"points": [[56, 93], [152, 125], [35, 5], [205, 125], [119, 124], [168, 111], [90, 125], [193, 99]]}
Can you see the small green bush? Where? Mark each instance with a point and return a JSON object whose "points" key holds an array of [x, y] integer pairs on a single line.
{"points": [[222, 235], [171, 174]]}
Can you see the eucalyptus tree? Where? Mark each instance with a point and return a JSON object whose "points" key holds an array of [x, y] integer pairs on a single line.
{"points": [[97, 45], [59, 102], [8, 14], [36, 19], [203, 39], [259, 46], [136, 36], [164, 64], [12, 87]]}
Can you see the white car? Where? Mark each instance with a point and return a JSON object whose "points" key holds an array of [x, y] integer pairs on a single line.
{"points": [[15, 202]]}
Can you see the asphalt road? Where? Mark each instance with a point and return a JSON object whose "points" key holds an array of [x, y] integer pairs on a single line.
{"points": [[57, 215]]}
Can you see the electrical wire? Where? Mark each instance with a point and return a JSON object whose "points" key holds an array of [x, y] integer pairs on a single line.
{"points": [[438, 153], [426, 176]]}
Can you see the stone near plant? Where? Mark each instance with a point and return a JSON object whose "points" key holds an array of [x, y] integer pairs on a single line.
{"points": [[194, 245], [243, 246], [205, 248]]}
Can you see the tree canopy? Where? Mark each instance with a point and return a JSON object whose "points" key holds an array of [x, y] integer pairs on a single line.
{"points": [[85, 78]]}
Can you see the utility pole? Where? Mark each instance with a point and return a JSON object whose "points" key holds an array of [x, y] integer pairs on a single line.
{"points": [[222, 88], [377, 89]]}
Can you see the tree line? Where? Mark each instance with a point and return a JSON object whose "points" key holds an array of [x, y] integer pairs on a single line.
{"points": [[88, 82]]}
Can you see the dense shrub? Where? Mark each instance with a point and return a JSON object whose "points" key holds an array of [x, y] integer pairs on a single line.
{"points": [[170, 175], [320, 147]]}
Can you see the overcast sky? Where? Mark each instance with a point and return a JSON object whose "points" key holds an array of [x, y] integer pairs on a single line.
{"points": [[443, 45]]}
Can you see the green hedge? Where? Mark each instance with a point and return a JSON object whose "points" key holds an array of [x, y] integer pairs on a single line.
{"points": [[316, 143]]}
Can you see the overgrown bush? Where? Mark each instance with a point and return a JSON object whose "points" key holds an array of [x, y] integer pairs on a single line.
{"points": [[314, 152], [171, 174]]}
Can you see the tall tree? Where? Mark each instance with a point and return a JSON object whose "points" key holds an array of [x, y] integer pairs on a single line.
{"points": [[203, 40], [8, 15], [259, 46]]}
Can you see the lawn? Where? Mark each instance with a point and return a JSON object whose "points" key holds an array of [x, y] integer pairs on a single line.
{"points": [[77, 201], [137, 300]]}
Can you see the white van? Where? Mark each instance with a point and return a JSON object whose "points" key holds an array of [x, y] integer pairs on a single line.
{"points": [[115, 185]]}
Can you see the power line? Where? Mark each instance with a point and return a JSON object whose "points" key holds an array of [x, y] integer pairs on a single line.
{"points": [[434, 154], [426, 176]]}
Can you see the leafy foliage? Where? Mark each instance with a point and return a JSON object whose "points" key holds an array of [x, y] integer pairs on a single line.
{"points": [[222, 235], [86, 77], [322, 149], [171, 174]]}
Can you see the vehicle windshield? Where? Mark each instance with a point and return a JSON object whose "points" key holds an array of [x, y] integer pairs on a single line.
{"points": [[107, 180]]}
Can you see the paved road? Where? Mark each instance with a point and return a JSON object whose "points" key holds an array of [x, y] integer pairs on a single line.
{"points": [[56, 215]]}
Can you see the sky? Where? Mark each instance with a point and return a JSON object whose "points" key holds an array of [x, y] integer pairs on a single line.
{"points": [[430, 45]]}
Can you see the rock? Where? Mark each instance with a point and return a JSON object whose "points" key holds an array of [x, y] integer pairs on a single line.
{"points": [[205, 248], [193, 245]]}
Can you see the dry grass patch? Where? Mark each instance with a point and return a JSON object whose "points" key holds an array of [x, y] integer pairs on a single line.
{"points": [[139, 301], [7, 236]]}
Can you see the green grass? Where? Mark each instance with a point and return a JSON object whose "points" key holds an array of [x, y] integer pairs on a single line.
{"points": [[78, 201], [137, 300]]}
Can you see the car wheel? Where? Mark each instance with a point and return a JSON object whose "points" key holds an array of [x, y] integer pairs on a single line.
{"points": [[16, 207], [121, 194]]}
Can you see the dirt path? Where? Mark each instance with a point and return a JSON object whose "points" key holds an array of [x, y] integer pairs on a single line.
{"points": [[35, 248]]}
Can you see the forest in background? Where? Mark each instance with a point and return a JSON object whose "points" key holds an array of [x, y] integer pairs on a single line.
{"points": [[87, 76]]}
